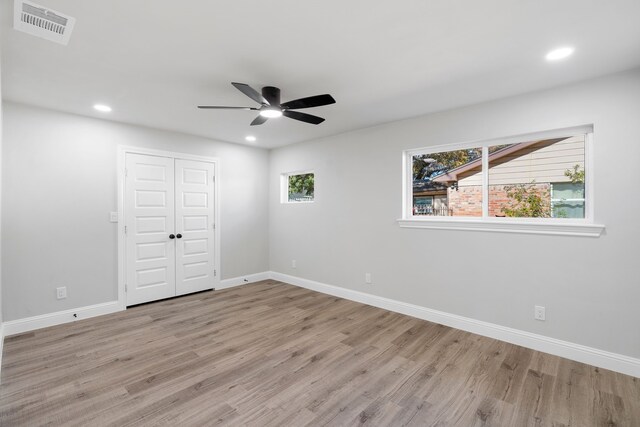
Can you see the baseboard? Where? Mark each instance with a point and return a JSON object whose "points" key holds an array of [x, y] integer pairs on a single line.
{"points": [[51, 319], [592, 356], [243, 280], [1, 345], [13, 327]]}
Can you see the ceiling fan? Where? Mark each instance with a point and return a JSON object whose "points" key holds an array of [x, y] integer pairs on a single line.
{"points": [[270, 106]]}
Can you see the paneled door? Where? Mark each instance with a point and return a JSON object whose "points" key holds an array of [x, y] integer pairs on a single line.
{"points": [[149, 224], [169, 216], [195, 248]]}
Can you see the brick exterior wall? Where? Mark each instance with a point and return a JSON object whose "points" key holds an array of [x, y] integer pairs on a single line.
{"points": [[467, 201]]}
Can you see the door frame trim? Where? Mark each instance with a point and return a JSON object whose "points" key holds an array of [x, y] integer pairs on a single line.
{"points": [[123, 150]]}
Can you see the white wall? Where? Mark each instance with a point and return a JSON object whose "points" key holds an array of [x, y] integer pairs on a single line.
{"points": [[60, 185], [590, 286]]}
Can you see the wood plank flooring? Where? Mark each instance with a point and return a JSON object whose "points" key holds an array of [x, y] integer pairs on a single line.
{"points": [[271, 354]]}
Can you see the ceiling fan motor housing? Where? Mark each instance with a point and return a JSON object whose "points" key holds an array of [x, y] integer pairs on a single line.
{"points": [[272, 95]]}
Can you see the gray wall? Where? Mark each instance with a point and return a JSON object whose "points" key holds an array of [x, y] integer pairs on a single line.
{"points": [[589, 285], [1, 118], [59, 186]]}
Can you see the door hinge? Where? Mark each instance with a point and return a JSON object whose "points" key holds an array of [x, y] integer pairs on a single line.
{"points": [[125, 229], [213, 226], [215, 273]]}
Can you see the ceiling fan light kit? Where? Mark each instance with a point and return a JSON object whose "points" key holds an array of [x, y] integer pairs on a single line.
{"points": [[271, 107]]}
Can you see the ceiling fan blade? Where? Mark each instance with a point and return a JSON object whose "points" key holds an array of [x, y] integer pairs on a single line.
{"points": [[303, 117], [216, 107], [259, 120], [312, 101], [250, 92]]}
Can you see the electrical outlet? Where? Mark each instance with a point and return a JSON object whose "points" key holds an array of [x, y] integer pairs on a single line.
{"points": [[293, 263], [539, 312], [113, 216], [61, 293], [367, 278]]}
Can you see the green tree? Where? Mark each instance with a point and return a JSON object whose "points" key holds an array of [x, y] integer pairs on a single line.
{"points": [[301, 185], [428, 166], [575, 175], [528, 201]]}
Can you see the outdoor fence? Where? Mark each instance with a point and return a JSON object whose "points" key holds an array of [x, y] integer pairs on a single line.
{"points": [[431, 210]]}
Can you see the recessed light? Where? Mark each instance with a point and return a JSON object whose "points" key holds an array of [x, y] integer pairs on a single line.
{"points": [[250, 138], [103, 108], [559, 53]]}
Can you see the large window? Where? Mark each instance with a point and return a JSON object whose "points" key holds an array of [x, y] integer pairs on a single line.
{"points": [[298, 187], [541, 178]]}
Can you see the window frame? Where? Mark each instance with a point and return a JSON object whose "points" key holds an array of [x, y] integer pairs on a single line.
{"points": [[284, 187], [560, 226]]}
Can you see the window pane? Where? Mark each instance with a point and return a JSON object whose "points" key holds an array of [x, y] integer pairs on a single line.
{"points": [[567, 200], [567, 190], [568, 209], [451, 180], [538, 179], [301, 188]]}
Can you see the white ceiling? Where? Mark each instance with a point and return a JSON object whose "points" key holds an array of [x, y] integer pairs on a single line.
{"points": [[153, 61]]}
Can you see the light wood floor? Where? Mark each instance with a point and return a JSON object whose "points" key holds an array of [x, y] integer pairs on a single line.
{"points": [[273, 354]]}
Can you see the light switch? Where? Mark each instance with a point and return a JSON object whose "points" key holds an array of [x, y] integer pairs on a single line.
{"points": [[113, 216]]}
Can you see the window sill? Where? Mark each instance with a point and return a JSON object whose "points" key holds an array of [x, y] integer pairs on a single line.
{"points": [[506, 226]]}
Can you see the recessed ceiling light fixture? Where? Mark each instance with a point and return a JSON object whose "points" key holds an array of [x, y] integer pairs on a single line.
{"points": [[102, 108], [250, 138], [560, 53]]}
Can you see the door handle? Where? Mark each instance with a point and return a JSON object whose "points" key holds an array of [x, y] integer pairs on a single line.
{"points": [[179, 236], [171, 236]]}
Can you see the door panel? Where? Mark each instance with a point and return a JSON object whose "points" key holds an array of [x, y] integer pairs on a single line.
{"points": [[149, 219], [195, 256]]}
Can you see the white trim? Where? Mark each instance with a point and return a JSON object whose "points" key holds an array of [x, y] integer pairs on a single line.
{"points": [[121, 162], [529, 136], [589, 167], [485, 182], [504, 226], [592, 356], [1, 345], [243, 280], [13, 327], [162, 153], [19, 326], [122, 273]]}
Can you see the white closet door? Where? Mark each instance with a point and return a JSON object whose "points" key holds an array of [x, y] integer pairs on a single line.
{"points": [[149, 220], [195, 256]]}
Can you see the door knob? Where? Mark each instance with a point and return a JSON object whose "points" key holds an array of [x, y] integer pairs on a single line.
{"points": [[179, 236], [171, 236]]}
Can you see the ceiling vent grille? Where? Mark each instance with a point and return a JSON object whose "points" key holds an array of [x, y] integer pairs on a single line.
{"points": [[42, 22]]}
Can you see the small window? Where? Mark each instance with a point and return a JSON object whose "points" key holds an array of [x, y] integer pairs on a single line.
{"points": [[298, 187]]}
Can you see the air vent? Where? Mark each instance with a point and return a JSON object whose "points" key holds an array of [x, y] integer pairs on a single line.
{"points": [[42, 22]]}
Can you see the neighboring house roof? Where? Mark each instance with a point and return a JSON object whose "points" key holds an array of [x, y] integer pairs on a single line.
{"points": [[452, 175], [429, 186]]}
